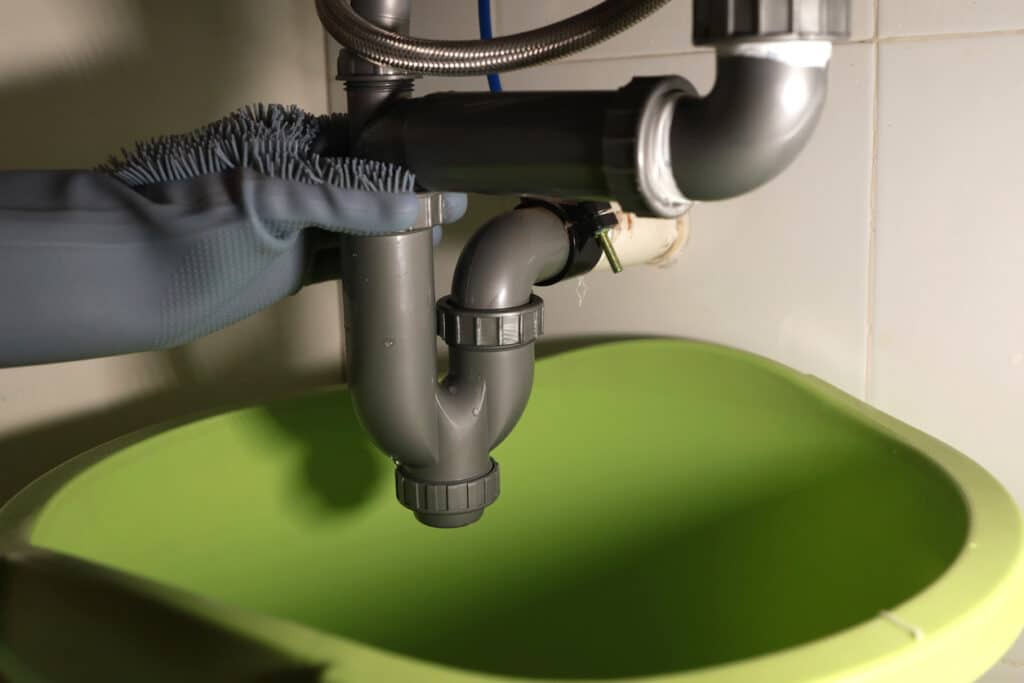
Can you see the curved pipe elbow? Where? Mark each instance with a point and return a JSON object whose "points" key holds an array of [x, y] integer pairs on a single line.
{"points": [[387, 289], [506, 257], [760, 114], [497, 270]]}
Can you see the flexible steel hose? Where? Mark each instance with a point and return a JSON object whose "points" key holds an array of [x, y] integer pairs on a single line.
{"points": [[478, 57]]}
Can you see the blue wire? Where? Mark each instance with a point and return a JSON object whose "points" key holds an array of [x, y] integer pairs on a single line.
{"points": [[487, 33], [494, 82]]}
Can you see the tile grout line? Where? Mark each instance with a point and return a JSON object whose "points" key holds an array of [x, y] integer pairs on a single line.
{"points": [[991, 33], [872, 267]]}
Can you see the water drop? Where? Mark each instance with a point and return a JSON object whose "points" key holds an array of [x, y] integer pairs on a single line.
{"points": [[581, 290], [476, 411], [389, 342]]}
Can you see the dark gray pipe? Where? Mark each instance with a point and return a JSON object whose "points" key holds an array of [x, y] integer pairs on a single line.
{"points": [[442, 433], [542, 143], [389, 330], [611, 145], [370, 87], [750, 127], [478, 57]]}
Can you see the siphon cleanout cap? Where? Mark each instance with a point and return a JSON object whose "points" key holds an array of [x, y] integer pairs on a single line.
{"points": [[448, 504]]}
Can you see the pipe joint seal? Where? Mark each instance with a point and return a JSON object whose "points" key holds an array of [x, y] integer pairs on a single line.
{"points": [[498, 329], [637, 146]]}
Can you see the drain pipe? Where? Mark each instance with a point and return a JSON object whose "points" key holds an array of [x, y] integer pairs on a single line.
{"points": [[655, 144], [441, 433]]}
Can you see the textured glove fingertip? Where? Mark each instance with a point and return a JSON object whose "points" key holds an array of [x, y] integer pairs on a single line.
{"points": [[455, 206]]}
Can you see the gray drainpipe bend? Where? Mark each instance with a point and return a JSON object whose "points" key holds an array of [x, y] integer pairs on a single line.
{"points": [[653, 146], [759, 115], [441, 433]]}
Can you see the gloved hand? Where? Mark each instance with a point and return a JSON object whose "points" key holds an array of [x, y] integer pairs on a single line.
{"points": [[90, 267]]}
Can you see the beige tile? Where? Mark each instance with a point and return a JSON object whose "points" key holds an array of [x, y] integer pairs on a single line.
{"points": [[445, 19], [862, 20], [948, 337], [781, 272], [158, 68], [87, 32], [925, 17], [666, 32], [195, 62]]}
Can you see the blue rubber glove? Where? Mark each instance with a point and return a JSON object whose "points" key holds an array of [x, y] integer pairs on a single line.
{"points": [[90, 267]]}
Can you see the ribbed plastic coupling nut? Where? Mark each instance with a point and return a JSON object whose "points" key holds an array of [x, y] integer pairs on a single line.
{"points": [[448, 497], [498, 329], [725, 21], [637, 155]]}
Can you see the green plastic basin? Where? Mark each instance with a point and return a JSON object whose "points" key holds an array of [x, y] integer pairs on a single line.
{"points": [[670, 511]]}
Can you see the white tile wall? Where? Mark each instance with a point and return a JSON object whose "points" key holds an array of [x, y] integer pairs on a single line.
{"points": [[666, 32], [947, 324], [929, 17], [948, 336]]}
